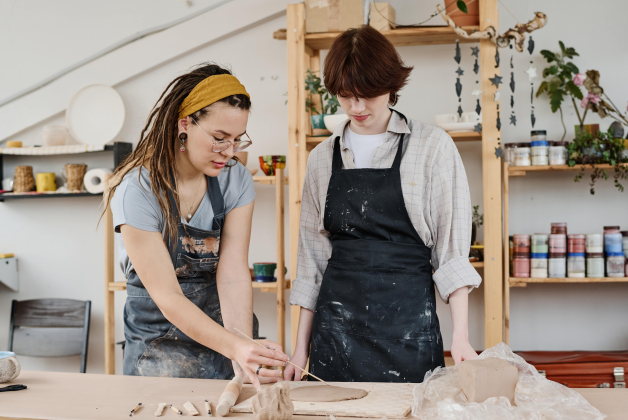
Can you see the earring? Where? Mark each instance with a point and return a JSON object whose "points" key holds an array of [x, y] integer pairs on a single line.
{"points": [[183, 137]]}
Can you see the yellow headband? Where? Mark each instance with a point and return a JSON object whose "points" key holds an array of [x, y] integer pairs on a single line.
{"points": [[210, 90]]}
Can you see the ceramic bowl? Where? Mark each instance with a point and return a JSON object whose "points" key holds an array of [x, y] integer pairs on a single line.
{"points": [[332, 121], [269, 163]]}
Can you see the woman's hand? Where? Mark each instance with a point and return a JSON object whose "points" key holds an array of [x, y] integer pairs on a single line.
{"points": [[299, 358], [249, 357], [461, 350]]}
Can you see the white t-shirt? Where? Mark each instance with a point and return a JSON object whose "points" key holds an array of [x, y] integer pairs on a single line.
{"points": [[363, 147]]}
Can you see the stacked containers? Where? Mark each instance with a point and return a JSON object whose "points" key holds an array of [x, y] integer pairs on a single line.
{"points": [[509, 152], [575, 255], [615, 260], [595, 255], [557, 266], [539, 148], [558, 153], [521, 256], [522, 154], [538, 256], [624, 240]]}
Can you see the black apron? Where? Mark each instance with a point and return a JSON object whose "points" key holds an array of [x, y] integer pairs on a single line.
{"points": [[375, 318], [156, 347]]}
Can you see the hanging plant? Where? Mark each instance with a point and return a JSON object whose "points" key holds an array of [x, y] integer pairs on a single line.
{"points": [[587, 149], [314, 85]]}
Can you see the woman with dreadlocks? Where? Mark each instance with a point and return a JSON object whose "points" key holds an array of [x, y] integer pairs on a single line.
{"points": [[183, 205]]}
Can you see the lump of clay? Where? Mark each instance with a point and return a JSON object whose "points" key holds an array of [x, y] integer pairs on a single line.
{"points": [[485, 378], [273, 403], [326, 393]]}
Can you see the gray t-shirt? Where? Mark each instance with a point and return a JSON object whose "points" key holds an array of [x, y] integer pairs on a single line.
{"points": [[136, 205]]}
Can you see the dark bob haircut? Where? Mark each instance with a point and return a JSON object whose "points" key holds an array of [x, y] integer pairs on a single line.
{"points": [[362, 63]]}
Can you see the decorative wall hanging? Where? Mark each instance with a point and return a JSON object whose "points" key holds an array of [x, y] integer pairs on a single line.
{"points": [[513, 118], [516, 34], [475, 51], [459, 72], [531, 71]]}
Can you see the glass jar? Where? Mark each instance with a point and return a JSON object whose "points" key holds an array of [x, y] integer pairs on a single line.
{"points": [[595, 265], [594, 243], [558, 153], [537, 135], [575, 265], [624, 240], [538, 265], [576, 243], [557, 243], [559, 228], [613, 242], [539, 151], [557, 265], [521, 244], [615, 264], [522, 155], [509, 152], [539, 243], [521, 265]]}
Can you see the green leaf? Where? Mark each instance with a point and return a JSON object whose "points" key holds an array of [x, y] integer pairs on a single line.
{"points": [[549, 56], [553, 70], [542, 88], [556, 100], [572, 68], [573, 89], [562, 47], [571, 53], [462, 6]]}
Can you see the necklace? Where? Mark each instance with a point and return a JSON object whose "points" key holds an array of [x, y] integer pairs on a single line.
{"points": [[189, 216]]}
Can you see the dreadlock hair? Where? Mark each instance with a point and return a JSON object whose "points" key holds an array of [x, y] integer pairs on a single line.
{"points": [[158, 142]]}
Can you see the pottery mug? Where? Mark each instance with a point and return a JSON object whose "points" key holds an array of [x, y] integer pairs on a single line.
{"points": [[7, 184], [46, 181], [442, 119], [470, 117], [266, 272], [9, 366]]}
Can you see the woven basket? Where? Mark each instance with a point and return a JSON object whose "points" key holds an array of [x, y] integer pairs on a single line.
{"points": [[24, 180], [74, 174]]}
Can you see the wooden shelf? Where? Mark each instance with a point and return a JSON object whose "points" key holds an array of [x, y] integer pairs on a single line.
{"points": [[20, 196], [71, 149], [477, 264], [269, 180], [522, 170], [523, 281], [456, 137], [402, 37], [118, 286]]}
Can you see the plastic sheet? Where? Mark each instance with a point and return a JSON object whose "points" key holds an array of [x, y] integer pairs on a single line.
{"points": [[536, 398]]}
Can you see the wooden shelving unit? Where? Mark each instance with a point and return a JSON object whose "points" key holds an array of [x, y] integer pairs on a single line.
{"points": [[304, 53], [509, 282], [279, 287]]}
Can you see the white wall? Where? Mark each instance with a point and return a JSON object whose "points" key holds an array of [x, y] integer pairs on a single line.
{"points": [[61, 252]]}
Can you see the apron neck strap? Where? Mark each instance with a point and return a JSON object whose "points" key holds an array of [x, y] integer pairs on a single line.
{"points": [[215, 197]]}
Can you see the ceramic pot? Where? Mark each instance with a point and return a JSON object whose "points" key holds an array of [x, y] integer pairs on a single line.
{"points": [[265, 272], [471, 18], [318, 125], [9, 366], [269, 163]]}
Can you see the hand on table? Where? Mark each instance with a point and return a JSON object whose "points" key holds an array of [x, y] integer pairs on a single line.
{"points": [[249, 356], [461, 350], [299, 358]]}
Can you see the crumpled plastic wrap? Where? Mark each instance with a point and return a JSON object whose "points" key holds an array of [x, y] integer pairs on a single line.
{"points": [[536, 398]]}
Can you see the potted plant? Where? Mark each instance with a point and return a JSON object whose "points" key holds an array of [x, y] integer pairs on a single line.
{"points": [[564, 80], [601, 148], [329, 103]]}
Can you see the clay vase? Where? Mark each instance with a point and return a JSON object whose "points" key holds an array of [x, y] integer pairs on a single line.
{"points": [[9, 366], [471, 18]]}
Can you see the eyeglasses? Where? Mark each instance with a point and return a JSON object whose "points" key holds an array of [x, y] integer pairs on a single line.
{"points": [[222, 145]]}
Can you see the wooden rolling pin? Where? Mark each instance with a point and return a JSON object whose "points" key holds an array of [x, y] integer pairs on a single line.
{"points": [[229, 396]]}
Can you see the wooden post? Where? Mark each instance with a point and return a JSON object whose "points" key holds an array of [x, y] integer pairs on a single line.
{"points": [[281, 259], [110, 357], [295, 40], [506, 255], [491, 169]]}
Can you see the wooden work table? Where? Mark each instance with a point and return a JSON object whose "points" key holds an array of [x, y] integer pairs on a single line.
{"points": [[54, 395]]}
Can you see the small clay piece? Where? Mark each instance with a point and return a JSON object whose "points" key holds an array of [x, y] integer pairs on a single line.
{"points": [[485, 378], [192, 411], [160, 409], [175, 409], [324, 393], [273, 403]]}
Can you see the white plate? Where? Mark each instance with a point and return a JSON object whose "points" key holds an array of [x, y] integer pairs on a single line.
{"points": [[95, 115], [455, 127]]}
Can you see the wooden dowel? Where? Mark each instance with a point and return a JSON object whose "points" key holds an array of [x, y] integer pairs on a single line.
{"points": [[302, 370]]}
